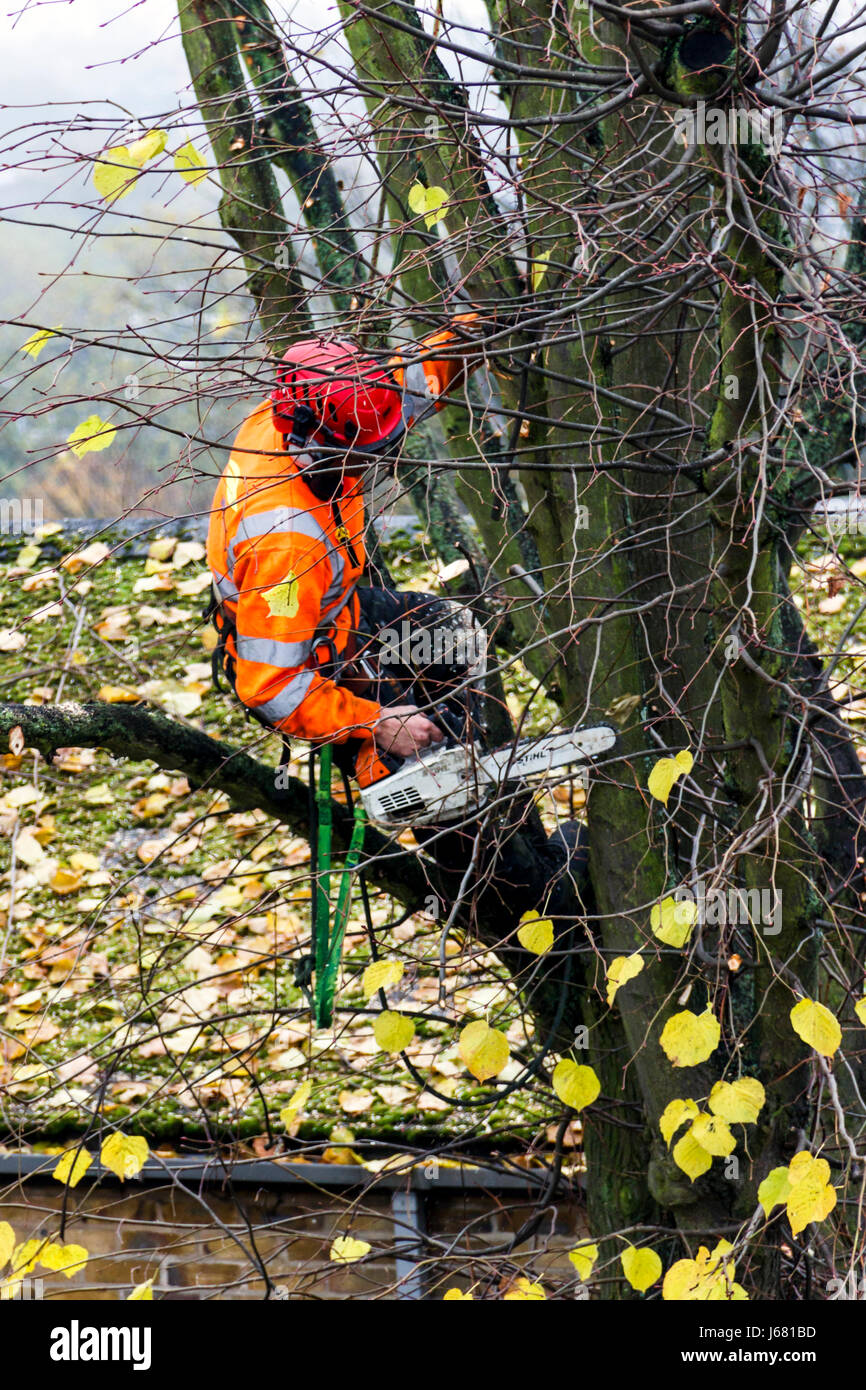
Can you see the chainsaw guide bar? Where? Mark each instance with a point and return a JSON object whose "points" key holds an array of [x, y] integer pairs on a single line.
{"points": [[447, 784]]}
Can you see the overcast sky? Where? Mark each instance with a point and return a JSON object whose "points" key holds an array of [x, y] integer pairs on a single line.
{"points": [[77, 51]]}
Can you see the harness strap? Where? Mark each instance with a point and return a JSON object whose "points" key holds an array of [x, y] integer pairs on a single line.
{"points": [[322, 887], [326, 978], [328, 937], [323, 962]]}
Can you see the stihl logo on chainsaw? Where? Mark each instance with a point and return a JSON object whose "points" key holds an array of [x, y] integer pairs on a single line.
{"points": [[452, 783]]}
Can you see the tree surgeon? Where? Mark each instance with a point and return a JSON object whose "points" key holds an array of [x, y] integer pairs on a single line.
{"points": [[297, 623]]}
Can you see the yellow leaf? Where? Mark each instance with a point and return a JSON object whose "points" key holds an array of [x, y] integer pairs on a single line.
{"points": [[775, 1188], [666, 772], [189, 164], [713, 1134], [620, 970], [804, 1165], [7, 1242], [162, 548], [539, 269], [83, 859], [117, 695], [82, 559], [641, 1267], [147, 147], [688, 1038], [811, 1197], [346, 1249], [91, 436], [583, 1257], [21, 796], [809, 1202], [30, 999], [71, 1166], [99, 795], [232, 482], [456, 1296], [355, 1102], [283, 599], [392, 1031], [113, 174], [66, 881], [484, 1050], [691, 1157], [12, 641], [675, 1113], [28, 849], [738, 1102], [142, 1293], [672, 920], [380, 975], [64, 1259], [576, 1086], [682, 1281], [622, 707], [707, 1278], [535, 933], [524, 1291], [27, 557], [36, 342], [124, 1154], [860, 1010], [297, 1100], [25, 1257], [431, 202], [817, 1027]]}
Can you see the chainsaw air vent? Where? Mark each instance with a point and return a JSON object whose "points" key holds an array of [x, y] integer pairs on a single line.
{"points": [[402, 803]]}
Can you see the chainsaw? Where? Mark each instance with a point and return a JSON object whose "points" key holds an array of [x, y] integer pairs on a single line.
{"points": [[446, 784]]}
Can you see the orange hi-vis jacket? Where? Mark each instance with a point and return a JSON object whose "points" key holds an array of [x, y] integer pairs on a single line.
{"points": [[286, 565]]}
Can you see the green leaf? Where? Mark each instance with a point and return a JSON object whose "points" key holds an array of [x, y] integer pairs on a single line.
{"points": [[431, 203], [91, 436], [392, 1031]]}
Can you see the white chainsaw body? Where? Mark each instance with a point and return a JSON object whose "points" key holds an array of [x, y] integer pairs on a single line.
{"points": [[445, 784]]}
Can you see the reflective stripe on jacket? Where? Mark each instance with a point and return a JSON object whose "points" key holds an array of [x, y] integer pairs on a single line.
{"points": [[285, 570]]}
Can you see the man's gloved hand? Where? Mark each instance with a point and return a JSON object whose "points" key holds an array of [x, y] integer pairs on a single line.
{"points": [[403, 731]]}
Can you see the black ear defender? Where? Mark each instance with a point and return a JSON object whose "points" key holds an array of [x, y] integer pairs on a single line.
{"points": [[303, 420]]}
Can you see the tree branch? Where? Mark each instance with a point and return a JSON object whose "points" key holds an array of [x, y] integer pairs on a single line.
{"points": [[207, 763]]}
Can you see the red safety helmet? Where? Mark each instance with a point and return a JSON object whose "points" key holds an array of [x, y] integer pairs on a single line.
{"points": [[333, 394]]}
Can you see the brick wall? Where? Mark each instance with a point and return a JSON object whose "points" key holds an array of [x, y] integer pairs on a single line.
{"points": [[211, 1242]]}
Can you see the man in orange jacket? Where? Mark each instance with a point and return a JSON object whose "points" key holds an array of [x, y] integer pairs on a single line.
{"points": [[286, 544]]}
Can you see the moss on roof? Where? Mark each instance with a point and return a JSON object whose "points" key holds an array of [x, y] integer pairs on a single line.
{"points": [[153, 931]]}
